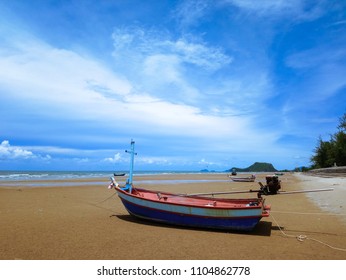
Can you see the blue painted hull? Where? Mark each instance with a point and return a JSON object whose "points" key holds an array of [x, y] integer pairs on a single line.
{"points": [[241, 224], [184, 215]]}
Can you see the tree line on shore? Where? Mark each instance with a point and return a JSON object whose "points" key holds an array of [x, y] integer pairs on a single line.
{"points": [[333, 152]]}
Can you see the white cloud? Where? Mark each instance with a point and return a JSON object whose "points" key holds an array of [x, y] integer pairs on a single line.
{"points": [[114, 159], [166, 65], [8, 152], [38, 68], [205, 87], [154, 161], [300, 9], [136, 43], [268, 6], [64, 85], [189, 13], [70, 90], [206, 163], [162, 66], [201, 55]]}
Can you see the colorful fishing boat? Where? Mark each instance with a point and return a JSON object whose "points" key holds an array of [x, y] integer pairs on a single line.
{"points": [[185, 210], [192, 210]]}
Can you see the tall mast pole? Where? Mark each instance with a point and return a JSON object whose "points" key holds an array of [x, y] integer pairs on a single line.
{"points": [[132, 153]]}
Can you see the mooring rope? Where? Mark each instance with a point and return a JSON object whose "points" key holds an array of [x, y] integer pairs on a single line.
{"points": [[106, 198], [303, 237], [308, 213]]}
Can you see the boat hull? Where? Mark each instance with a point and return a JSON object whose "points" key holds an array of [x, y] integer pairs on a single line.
{"points": [[244, 219], [242, 180]]}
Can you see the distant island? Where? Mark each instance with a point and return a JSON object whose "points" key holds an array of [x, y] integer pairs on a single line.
{"points": [[206, 170], [256, 167]]}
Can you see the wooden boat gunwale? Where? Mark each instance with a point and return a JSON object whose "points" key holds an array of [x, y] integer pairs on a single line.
{"points": [[260, 201]]}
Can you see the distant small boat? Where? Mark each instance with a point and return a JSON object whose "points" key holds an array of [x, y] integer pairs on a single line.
{"points": [[119, 174], [243, 179]]}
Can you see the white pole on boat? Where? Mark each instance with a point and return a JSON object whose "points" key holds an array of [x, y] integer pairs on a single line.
{"points": [[306, 191], [132, 153]]}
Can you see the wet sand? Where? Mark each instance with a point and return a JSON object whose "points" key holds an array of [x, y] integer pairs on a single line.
{"points": [[90, 222]]}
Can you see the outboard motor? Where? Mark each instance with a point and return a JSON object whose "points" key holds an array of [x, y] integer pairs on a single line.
{"points": [[273, 185]]}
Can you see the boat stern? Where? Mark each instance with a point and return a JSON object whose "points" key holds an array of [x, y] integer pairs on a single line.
{"points": [[265, 210]]}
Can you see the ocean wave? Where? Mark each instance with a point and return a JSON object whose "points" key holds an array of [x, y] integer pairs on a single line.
{"points": [[21, 176], [18, 176], [66, 175]]}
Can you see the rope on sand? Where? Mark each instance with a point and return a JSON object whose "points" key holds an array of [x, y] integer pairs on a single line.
{"points": [[106, 198], [302, 237], [311, 213]]}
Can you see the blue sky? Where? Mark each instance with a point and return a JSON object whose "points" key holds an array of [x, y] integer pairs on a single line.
{"points": [[197, 84]]}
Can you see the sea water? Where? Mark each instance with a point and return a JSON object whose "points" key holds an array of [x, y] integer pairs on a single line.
{"points": [[84, 178]]}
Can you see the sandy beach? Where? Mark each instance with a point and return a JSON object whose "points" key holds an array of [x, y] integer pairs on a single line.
{"points": [[81, 219]]}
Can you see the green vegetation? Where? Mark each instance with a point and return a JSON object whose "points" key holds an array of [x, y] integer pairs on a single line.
{"points": [[257, 167], [328, 153]]}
